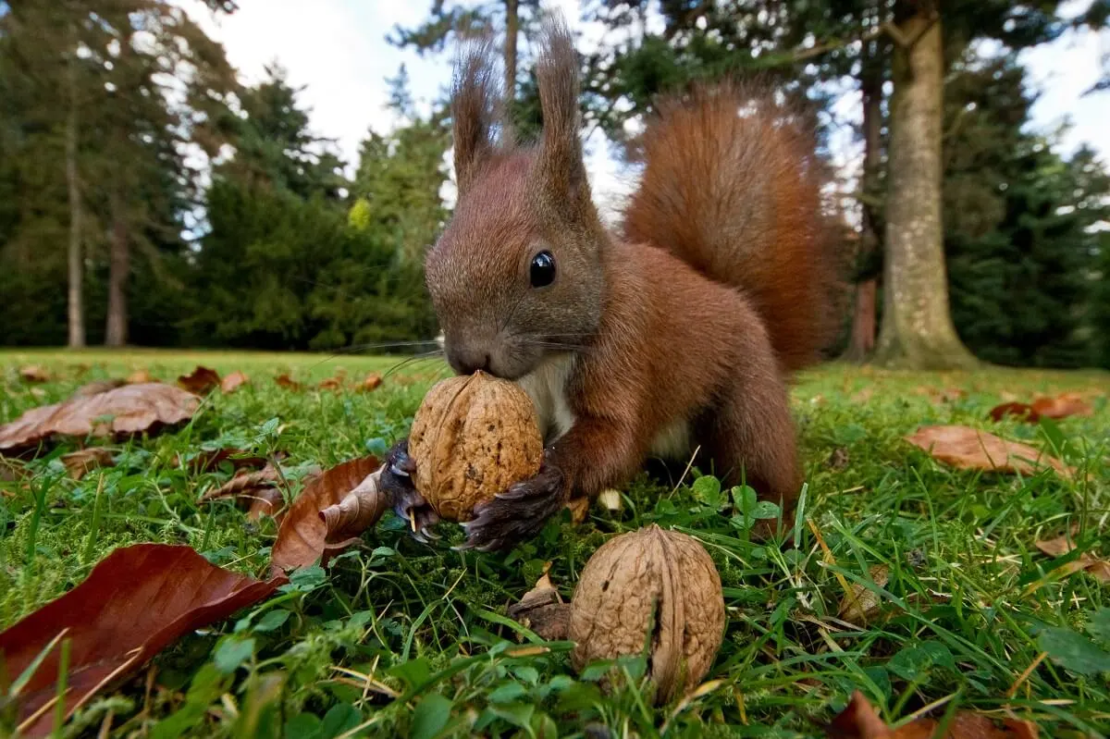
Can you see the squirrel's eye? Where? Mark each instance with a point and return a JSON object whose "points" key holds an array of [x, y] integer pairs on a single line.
{"points": [[542, 271]]}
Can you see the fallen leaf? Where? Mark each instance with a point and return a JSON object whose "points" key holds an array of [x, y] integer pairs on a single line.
{"points": [[1059, 546], [133, 604], [610, 499], [201, 381], [1021, 410], [257, 491], [839, 458], [371, 382], [34, 373], [1099, 570], [863, 395], [11, 471], [1062, 406], [302, 536], [970, 449], [359, 510], [140, 377], [860, 604], [285, 381], [209, 459], [96, 388], [859, 720], [542, 610], [332, 383], [83, 461], [233, 382], [579, 508], [127, 410]]}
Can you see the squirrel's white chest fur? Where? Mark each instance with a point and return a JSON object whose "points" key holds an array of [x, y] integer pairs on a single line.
{"points": [[546, 386]]}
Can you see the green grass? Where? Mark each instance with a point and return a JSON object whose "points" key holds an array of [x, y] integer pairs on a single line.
{"points": [[964, 615]]}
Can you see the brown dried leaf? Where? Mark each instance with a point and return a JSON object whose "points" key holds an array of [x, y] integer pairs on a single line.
{"points": [[332, 383], [35, 373], [80, 463], [371, 382], [859, 720], [1022, 410], [302, 536], [970, 449], [1059, 546], [11, 471], [233, 382], [1062, 406], [359, 510], [579, 508], [861, 604], [257, 491], [542, 610], [96, 388], [208, 460], [133, 604], [1099, 570], [140, 377], [201, 381], [285, 381], [127, 410]]}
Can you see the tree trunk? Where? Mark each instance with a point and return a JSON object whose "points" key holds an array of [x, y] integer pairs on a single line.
{"points": [[76, 262], [512, 24], [119, 269], [862, 339], [917, 330]]}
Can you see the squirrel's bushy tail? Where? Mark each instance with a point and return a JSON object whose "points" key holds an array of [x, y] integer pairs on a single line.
{"points": [[733, 190]]}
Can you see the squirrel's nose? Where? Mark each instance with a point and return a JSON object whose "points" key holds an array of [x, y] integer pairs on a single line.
{"points": [[467, 361]]}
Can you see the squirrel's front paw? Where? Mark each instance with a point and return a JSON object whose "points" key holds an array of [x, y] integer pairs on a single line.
{"points": [[517, 514], [409, 504]]}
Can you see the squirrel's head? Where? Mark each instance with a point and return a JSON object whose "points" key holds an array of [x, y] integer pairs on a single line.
{"points": [[516, 275]]}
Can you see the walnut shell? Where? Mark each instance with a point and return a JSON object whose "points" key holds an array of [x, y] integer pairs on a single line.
{"points": [[472, 438], [646, 573]]}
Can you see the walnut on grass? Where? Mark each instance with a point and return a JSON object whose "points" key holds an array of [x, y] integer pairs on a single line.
{"points": [[472, 438], [649, 586]]}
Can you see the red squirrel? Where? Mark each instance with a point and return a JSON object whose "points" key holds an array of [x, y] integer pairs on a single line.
{"points": [[678, 333]]}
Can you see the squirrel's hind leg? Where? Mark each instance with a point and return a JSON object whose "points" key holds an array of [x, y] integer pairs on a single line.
{"points": [[749, 435]]}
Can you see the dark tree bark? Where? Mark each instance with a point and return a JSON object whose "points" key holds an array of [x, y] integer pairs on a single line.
{"points": [[512, 25], [76, 303], [862, 338], [119, 269], [917, 330]]}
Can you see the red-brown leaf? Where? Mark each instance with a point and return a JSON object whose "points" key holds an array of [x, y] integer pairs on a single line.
{"points": [[371, 382], [1062, 406], [1021, 410], [1059, 546], [127, 410], [134, 603], [970, 449], [859, 720], [257, 491], [83, 461], [233, 382], [332, 383], [285, 381], [201, 381], [303, 534], [208, 460]]}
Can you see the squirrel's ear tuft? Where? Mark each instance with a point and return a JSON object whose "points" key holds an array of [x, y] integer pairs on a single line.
{"points": [[475, 108], [560, 162]]}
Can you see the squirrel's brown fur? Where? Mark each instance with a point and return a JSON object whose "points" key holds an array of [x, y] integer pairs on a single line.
{"points": [[678, 335]]}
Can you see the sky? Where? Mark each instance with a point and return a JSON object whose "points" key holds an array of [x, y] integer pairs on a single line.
{"points": [[336, 50]]}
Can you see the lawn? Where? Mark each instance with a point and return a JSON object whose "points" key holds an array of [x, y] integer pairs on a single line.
{"points": [[399, 638]]}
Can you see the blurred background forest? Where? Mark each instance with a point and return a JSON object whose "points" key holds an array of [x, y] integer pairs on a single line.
{"points": [[149, 197]]}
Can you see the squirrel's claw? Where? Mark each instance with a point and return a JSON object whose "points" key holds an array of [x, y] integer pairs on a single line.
{"points": [[517, 514], [396, 481]]}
